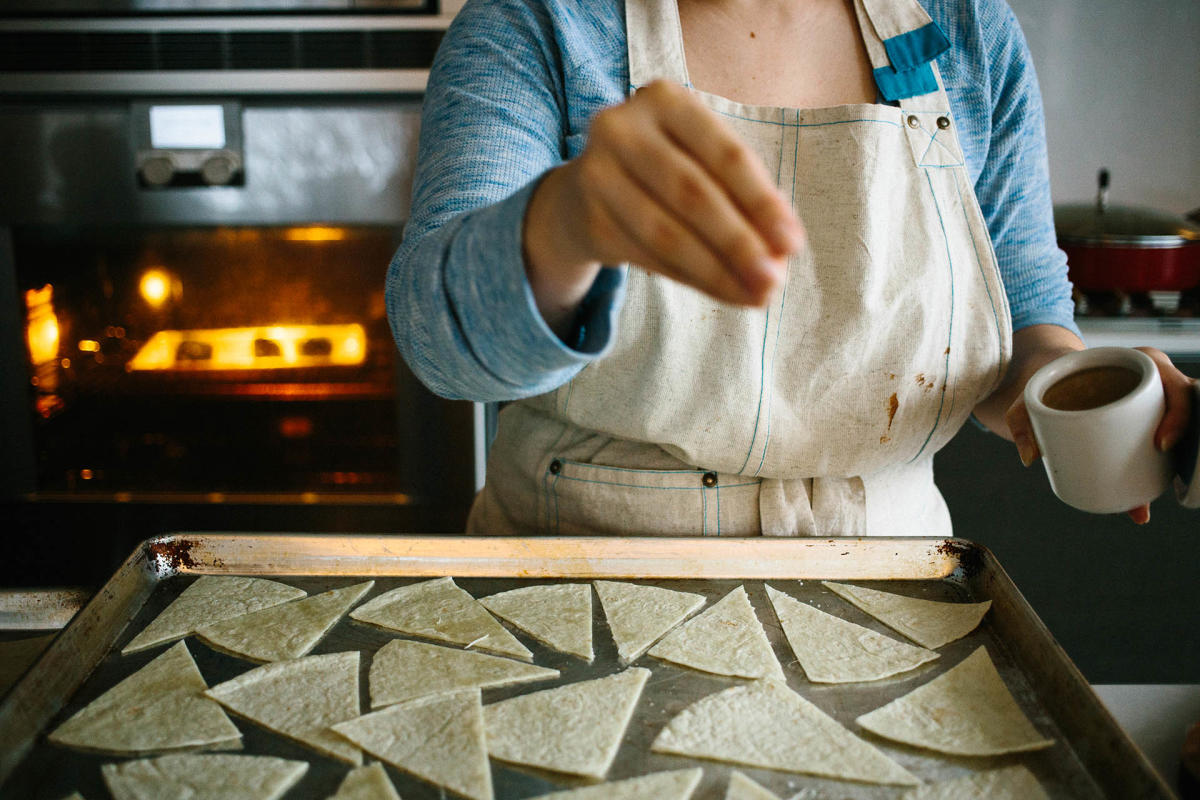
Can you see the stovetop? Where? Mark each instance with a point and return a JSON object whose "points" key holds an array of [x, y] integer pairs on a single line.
{"points": [[1169, 321]]}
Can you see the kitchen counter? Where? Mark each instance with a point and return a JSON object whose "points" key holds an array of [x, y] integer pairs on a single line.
{"points": [[1179, 336], [1156, 717]]}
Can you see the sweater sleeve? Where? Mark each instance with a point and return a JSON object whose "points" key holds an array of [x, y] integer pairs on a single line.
{"points": [[461, 309], [1013, 186]]}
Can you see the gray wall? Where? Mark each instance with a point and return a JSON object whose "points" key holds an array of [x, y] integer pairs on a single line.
{"points": [[1121, 84]]}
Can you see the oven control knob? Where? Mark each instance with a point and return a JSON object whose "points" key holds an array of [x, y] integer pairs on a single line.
{"points": [[157, 170], [218, 170]]}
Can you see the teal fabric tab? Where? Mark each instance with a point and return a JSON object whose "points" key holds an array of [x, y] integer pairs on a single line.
{"points": [[916, 48], [895, 85]]}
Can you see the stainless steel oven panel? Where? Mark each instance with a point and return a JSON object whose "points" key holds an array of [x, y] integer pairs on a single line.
{"points": [[372, 53], [73, 163], [203, 6], [271, 82]]}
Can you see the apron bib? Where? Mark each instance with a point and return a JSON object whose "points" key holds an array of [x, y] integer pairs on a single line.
{"points": [[819, 414]]}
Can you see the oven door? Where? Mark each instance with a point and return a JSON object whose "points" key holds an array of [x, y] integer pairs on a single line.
{"points": [[212, 356]]}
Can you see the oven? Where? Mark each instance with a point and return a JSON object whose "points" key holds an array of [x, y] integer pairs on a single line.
{"points": [[197, 210]]}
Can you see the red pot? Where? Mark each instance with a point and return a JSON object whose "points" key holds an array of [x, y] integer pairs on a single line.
{"points": [[1127, 249]]}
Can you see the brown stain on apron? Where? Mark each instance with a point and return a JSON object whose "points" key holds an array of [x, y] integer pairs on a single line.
{"points": [[893, 405]]}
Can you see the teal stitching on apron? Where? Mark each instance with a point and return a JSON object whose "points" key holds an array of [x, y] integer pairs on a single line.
{"points": [[762, 364], [545, 525], [932, 141], [718, 509], [782, 302], [554, 491], [950, 333], [567, 400]]}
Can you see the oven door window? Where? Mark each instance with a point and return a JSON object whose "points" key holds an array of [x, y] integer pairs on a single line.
{"points": [[209, 360]]}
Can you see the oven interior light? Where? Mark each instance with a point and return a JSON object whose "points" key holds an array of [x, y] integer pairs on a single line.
{"points": [[155, 287], [41, 326], [295, 427], [315, 233]]}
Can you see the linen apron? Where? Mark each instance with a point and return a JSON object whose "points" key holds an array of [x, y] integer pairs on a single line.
{"points": [[818, 415]]}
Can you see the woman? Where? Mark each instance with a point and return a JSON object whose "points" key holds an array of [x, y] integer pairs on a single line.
{"points": [[811, 191]]}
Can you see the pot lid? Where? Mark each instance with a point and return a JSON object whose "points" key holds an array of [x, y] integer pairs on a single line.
{"points": [[1100, 224]]}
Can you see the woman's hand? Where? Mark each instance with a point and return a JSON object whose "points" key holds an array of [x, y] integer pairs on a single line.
{"points": [[665, 184], [1176, 388]]}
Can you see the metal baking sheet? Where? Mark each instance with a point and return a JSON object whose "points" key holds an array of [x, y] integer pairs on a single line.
{"points": [[28, 610], [1092, 757]]}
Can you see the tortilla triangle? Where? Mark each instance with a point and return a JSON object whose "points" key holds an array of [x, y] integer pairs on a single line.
{"points": [[1007, 783], [403, 670], [674, 785], [283, 632], [366, 783], [742, 788], [638, 616], [438, 738], [929, 623], [299, 699], [574, 729], [203, 777], [158, 708], [210, 599], [558, 615], [441, 611], [832, 650], [766, 724], [966, 710], [727, 639]]}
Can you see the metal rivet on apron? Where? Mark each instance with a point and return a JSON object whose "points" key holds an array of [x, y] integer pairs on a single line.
{"points": [[913, 122], [709, 479], [555, 467], [943, 122]]}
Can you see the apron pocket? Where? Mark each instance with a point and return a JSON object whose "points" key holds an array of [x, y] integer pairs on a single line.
{"points": [[591, 500]]}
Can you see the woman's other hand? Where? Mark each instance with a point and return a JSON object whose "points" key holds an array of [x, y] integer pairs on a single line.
{"points": [[1177, 391], [665, 184]]}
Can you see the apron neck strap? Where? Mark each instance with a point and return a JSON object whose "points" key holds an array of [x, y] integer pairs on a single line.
{"points": [[655, 37]]}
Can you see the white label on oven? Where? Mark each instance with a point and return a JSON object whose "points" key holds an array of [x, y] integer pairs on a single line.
{"points": [[187, 126]]}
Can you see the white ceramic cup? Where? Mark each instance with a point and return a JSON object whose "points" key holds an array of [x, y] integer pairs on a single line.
{"points": [[1102, 459]]}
